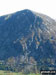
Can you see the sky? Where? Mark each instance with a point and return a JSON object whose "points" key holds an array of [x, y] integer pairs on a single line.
{"points": [[47, 7]]}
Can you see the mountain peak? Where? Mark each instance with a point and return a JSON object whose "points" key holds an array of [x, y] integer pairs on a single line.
{"points": [[29, 39]]}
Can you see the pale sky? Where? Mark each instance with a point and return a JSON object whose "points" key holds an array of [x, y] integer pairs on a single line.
{"points": [[47, 7]]}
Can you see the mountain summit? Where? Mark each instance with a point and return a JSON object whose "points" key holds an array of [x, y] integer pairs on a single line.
{"points": [[27, 42]]}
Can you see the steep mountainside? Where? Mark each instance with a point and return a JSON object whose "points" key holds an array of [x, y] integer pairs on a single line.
{"points": [[27, 42]]}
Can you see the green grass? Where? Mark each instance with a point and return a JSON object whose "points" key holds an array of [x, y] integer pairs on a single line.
{"points": [[14, 73]]}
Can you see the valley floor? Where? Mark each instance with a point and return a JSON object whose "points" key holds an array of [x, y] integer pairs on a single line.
{"points": [[14, 73]]}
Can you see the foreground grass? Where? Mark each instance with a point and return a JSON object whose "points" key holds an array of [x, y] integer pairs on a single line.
{"points": [[13, 73]]}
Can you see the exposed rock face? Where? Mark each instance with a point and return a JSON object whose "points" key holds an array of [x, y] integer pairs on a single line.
{"points": [[27, 39]]}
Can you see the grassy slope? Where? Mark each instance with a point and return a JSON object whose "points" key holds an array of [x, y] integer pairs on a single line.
{"points": [[13, 73]]}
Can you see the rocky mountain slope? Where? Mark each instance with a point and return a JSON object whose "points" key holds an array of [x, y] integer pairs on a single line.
{"points": [[27, 42]]}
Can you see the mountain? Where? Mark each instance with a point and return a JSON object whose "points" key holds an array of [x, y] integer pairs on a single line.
{"points": [[27, 42]]}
